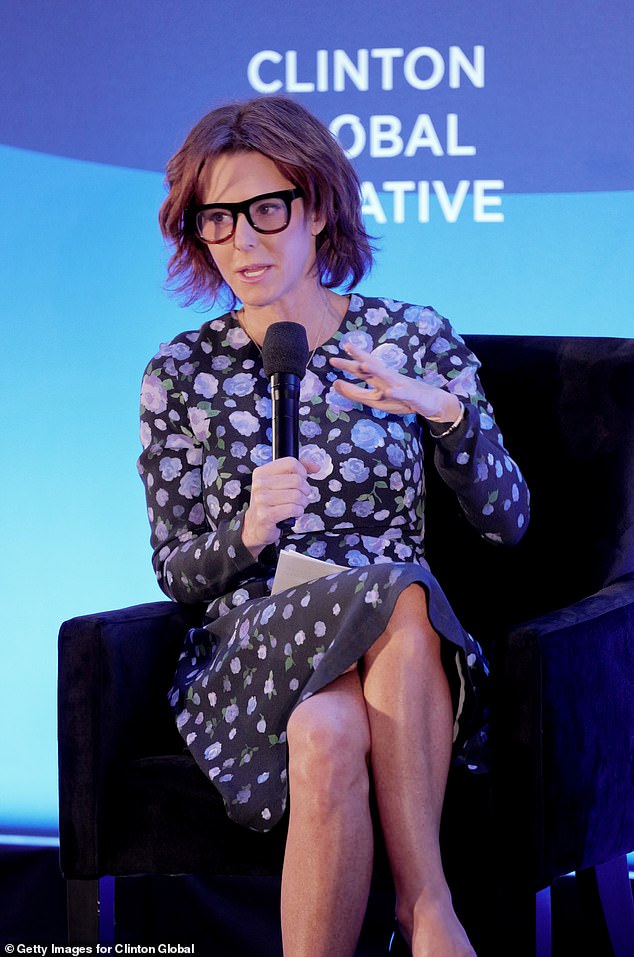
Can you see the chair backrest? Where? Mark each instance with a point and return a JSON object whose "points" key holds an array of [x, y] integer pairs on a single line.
{"points": [[566, 410]]}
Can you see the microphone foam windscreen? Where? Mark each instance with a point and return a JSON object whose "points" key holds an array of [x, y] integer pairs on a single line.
{"points": [[285, 349]]}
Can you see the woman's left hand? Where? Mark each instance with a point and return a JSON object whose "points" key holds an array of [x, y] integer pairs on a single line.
{"points": [[390, 391]]}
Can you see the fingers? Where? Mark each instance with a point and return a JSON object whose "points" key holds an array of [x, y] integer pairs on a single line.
{"points": [[355, 351], [385, 388], [285, 466], [350, 365], [310, 465], [280, 481], [358, 393], [279, 491], [362, 364], [358, 369], [369, 369]]}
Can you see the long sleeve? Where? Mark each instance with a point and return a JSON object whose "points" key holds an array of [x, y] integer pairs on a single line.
{"points": [[472, 460], [205, 425], [195, 558]]}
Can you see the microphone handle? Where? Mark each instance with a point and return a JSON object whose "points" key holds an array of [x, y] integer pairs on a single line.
{"points": [[285, 414]]}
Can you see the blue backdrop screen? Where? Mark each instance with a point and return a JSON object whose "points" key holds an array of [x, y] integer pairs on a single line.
{"points": [[495, 147]]}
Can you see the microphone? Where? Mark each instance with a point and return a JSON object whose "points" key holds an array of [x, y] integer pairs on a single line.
{"points": [[285, 357]]}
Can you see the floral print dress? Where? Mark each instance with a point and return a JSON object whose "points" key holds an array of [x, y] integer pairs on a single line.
{"points": [[206, 423]]}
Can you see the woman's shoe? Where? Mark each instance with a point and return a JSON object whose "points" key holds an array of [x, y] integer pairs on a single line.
{"points": [[397, 946]]}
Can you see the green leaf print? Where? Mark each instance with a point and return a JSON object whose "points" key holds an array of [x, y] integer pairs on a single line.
{"points": [[247, 754], [318, 651]]}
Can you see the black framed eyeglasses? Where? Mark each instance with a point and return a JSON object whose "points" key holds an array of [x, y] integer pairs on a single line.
{"points": [[267, 213]]}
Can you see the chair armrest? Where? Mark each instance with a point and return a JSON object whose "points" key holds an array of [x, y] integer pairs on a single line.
{"points": [[114, 672], [563, 733]]}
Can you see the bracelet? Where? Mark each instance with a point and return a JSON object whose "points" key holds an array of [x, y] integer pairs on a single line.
{"points": [[453, 426]]}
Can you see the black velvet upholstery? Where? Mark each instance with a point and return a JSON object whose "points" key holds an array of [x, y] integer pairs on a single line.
{"points": [[564, 756], [556, 614], [566, 409]]}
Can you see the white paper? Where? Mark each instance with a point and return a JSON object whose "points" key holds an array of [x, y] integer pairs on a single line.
{"points": [[294, 569]]}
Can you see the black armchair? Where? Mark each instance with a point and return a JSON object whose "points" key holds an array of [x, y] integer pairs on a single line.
{"points": [[557, 615]]}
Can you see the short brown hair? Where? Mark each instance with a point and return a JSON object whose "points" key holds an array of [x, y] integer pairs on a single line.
{"points": [[305, 152]]}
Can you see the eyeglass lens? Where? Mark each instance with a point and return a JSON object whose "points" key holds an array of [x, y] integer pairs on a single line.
{"points": [[266, 214]]}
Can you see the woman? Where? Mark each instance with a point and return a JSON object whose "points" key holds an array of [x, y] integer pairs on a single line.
{"points": [[368, 671]]}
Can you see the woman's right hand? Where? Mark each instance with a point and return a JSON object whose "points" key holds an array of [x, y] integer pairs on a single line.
{"points": [[279, 490]]}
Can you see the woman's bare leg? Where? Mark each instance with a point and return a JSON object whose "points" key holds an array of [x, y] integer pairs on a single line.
{"points": [[328, 859], [411, 721]]}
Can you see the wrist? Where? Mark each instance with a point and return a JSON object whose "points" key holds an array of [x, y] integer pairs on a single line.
{"points": [[450, 408], [441, 430]]}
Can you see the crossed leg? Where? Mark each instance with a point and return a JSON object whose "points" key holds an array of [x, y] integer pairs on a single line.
{"points": [[411, 720], [398, 715]]}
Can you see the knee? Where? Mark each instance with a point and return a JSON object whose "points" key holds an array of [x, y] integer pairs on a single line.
{"points": [[408, 630], [411, 608], [328, 756]]}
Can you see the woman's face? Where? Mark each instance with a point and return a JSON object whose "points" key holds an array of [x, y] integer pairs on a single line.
{"points": [[262, 270]]}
